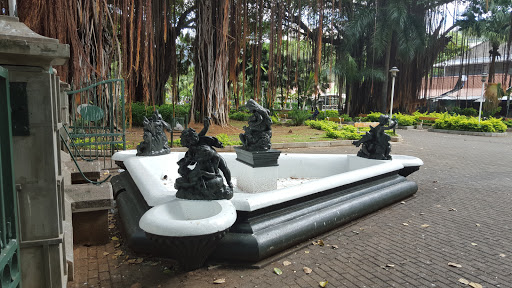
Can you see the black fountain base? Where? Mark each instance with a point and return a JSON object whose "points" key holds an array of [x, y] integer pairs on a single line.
{"points": [[259, 234], [190, 251]]}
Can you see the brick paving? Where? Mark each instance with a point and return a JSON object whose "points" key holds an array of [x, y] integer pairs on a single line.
{"points": [[464, 197]]}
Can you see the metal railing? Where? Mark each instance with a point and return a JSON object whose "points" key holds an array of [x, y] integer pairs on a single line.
{"points": [[97, 120]]}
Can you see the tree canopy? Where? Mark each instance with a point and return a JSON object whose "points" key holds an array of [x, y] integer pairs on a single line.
{"points": [[273, 51]]}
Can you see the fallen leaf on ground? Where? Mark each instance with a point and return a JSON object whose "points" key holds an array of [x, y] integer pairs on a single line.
{"points": [[502, 255], [390, 265], [355, 232], [323, 283], [139, 260], [334, 246], [405, 224], [454, 264], [438, 205], [307, 270], [117, 245], [307, 252], [111, 226], [115, 238], [403, 202], [278, 271], [477, 225], [131, 261], [463, 281], [167, 271], [286, 263], [422, 213], [220, 281], [105, 253], [474, 244], [425, 226], [475, 285], [452, 209]]}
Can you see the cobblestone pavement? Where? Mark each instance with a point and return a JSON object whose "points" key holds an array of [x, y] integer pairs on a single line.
{"points": [[461, 214]]}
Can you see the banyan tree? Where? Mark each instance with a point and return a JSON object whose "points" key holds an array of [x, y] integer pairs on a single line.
{"points": [[273, 51]]}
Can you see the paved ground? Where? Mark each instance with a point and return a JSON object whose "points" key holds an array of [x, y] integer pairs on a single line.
{"points": [[461, 214]]}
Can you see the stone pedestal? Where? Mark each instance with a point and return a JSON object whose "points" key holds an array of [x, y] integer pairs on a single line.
{"points": [[260, 171], [256, 180], [36, 118]]}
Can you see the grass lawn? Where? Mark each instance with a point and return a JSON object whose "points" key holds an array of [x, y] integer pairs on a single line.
{"points": [[280, 133]]}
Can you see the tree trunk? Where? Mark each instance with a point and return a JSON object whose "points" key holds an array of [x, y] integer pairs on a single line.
{"points": [[211, 62], [385, 83], [492, 69]]}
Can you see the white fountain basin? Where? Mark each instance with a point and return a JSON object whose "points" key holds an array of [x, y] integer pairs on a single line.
{"points": [[180, 218], [314, 193], [155, 175]]}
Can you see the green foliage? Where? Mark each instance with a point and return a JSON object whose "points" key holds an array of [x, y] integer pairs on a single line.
{"points": [[433, 114], [139, 110], [405, 120], [331, 113], [347, 132], [275, 120], [498, 124], [239, 116], [224, 138], [372, 117], [175, 143], [321, 125], [466, 111], [491, 112], [508, 122], [346, 118], [327, 113], [298, 116], [464, 123]]}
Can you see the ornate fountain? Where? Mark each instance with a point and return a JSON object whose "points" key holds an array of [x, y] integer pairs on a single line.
{"points": [[263, 210]]}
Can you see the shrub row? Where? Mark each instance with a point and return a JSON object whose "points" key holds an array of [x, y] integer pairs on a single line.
{"points": [[333, 113], [464, 123], [332, 129]]}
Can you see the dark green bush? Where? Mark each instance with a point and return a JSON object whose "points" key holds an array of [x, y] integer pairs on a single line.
{"points": [[465, 111], [240, 116], [346, 118], [372, 117], [139, 110], [298, 116]]}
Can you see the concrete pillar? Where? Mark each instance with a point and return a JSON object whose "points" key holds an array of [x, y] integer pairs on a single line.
{"points": [[35, 97]]}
